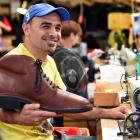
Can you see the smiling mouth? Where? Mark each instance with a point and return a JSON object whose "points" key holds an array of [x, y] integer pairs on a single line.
{"points": [[52, 43]]}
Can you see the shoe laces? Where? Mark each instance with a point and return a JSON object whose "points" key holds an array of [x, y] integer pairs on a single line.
{"points": [[38, 78]]}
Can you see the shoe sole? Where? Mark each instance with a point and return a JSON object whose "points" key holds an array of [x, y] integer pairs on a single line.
{"points": [[12, 103]]}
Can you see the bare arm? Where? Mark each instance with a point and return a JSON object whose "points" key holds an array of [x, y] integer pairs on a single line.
{"points": [[118, 112], [29, 115]]}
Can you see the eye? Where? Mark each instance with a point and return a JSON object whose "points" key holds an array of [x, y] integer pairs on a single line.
{"points": [[46, 26], [58, 28]]}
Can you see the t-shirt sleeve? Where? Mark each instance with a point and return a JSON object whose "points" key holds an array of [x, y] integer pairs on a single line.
{"points": [[56, 76]]}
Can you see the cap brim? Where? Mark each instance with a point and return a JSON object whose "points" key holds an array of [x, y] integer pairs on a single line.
{"points": [[63, 13]]}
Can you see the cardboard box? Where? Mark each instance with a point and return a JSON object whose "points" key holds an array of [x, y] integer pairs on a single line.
{"points": [[106, 99], [119, 20]]}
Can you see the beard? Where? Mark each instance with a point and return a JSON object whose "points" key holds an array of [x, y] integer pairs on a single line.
{"points": [[50, 49]]}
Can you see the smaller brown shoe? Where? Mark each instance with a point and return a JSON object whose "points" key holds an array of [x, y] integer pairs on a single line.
{"points": [[22, 81]]}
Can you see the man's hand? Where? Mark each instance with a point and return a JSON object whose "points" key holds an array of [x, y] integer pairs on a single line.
{"points": [[102, 113], [29, 115], [117, 112]]}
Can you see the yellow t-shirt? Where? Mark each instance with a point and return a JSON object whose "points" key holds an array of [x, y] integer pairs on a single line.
{"points": [[20, 132]]}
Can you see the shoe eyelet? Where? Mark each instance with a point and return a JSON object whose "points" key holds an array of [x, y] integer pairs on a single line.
{"points": [[47, 79], [50, 82], [44, 75], [53, 86]]}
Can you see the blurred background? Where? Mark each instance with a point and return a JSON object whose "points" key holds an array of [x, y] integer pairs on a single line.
{"points": [[93, 15]]}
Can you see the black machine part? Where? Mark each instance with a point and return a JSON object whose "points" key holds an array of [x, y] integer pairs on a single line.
{"points": [[132, 125], [136, 98], [70, 67]]}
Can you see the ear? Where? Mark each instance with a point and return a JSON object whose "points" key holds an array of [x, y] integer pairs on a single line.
{"points": [[25, 28]]}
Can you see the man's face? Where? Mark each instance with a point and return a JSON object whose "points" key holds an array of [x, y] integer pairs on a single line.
{"points": [[44, 32]]}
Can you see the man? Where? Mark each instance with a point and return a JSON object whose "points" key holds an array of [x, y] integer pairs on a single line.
{"points": [[42, 29]]}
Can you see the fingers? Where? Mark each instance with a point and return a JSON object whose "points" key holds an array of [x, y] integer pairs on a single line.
{"points": [[117, 113], [121, 115], [122, 112], [33, 106], [32, 115], [45, 114], [127, 109], [34, 109]]}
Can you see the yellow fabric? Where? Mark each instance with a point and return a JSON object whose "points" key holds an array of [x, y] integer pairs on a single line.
{"points": [[20, 132]]}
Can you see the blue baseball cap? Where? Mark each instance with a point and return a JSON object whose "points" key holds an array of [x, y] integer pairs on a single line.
{"points": [[42, 9]]}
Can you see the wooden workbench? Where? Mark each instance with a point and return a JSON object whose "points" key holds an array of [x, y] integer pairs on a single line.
{"points": [[107, 129]]}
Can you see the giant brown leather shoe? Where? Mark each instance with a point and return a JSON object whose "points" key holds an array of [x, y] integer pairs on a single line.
{"points": [[22, 81]]}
